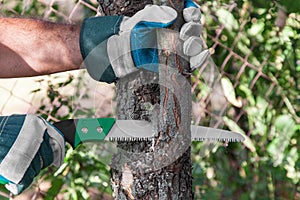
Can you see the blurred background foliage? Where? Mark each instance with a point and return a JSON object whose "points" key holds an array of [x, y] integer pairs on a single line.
{"points": [[256, 48]]}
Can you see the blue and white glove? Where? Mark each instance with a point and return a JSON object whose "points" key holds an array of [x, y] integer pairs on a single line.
{"points": [[27, 144], [190, 33], [115, 46]]}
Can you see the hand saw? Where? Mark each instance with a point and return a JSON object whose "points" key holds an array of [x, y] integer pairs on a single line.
{"points": [[77, 131]]}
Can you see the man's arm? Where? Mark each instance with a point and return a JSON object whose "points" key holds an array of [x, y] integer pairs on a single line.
{"points": [[34, 47]]}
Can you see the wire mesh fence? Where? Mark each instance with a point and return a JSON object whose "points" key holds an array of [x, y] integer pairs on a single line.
{"points": [[17, 96], [241, 73]]}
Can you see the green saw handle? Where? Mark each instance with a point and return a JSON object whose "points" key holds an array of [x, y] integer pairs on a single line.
{"points": [[2, 182], [76, 131], [92, 129]]}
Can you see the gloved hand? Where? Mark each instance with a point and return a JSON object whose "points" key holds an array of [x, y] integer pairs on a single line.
{"points": [[190, 33], [27, 144], [114, 46]]}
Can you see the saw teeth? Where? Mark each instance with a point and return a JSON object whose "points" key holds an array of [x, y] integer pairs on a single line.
{"points": [[129, 139], [218, 139]]}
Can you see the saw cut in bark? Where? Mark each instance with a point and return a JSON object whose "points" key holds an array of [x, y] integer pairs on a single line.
{"points": [[161, 168]]}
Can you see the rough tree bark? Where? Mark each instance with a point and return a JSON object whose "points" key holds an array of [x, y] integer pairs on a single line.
{"points": [[158, 169]]}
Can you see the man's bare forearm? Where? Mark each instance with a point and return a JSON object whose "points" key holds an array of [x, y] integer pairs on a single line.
{"points": [[34, 47]]}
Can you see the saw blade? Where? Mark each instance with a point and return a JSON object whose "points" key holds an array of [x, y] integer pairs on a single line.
{"points": [[202, 133], [134, 130], [131, 130]]}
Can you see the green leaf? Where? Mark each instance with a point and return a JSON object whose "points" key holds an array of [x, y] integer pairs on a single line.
{"points": [[235, 127], [243, 48], [61, 169], [230, 93], [245, 89], [290, 5], [36, 90], [56, 186], [227, 19], [291, 167], [4, 192], [261, 3], [256, 28], [287, 34], [285, 129], [257, 116]]}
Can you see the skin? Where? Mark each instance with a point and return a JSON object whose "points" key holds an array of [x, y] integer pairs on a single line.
{"points": [[34, 47]]}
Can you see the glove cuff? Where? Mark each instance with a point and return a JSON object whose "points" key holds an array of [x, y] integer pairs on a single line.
{"points": [[22, 148], [33, 143], [93, 46]]}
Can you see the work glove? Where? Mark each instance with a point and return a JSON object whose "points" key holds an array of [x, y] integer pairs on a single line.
{"points": [[190, 33], [27, 144], [115, 46]]}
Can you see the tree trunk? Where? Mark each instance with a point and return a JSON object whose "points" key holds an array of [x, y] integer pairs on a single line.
{"points": [[161, 168]]}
